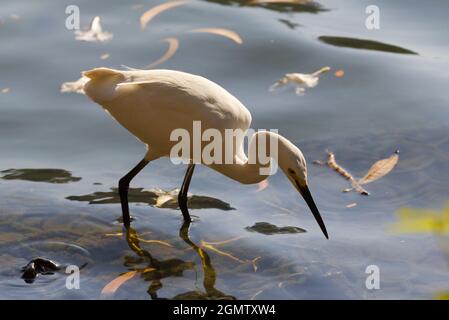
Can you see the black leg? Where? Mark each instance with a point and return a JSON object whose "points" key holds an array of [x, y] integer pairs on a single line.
{"points": [[123, 187], [182, 196]]}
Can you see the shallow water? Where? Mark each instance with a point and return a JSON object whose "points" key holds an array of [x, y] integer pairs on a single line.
{"points": [[385, 101]]}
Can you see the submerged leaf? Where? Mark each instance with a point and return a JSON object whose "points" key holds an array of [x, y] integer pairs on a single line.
{"points": [[222, 32], [380, 168], [94, 33], [147, 16], [364, 44], [40, 175], [116, 283], [422, 221], [270, 229], [173, 45], [300, 80]]}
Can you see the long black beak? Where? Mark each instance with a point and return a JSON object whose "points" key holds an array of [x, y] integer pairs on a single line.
{"points": [[305, 192]]}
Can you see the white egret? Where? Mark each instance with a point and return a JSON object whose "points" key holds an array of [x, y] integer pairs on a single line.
{"points": [[151, 104]]}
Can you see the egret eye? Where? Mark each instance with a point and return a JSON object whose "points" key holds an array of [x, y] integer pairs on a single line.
{"points": [[291, 171]]}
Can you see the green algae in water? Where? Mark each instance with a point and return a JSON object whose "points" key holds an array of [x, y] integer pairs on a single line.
{"points": [[270, 229], [40, 175]]}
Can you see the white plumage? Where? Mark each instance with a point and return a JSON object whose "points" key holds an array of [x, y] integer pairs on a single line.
{"points": [[153, 103]]}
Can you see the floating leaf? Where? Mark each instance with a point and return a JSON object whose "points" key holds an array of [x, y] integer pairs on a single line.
{"points": [[113, 286], [75, 86], [339, 73], [300, 80], [380, 168], [94, 33], [422, 221], [351, 205], [442, 296], [345, 174], [173, 45], [39, 175], [363, 44], [147, 16], [221, 32], [270, 229], [5, 90]]}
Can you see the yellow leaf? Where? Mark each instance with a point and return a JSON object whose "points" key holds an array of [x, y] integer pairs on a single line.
{"points": [[150, 14], [222, 32], [442, 296], [173, 45], [422, 221], [113, 286], [380, 168]]}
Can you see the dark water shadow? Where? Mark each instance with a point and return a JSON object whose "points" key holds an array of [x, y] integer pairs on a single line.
{"points": [[291, 25], [160, 269], [155, 197], [270, 229], [287, 6], [40, 175], [364, 44]]}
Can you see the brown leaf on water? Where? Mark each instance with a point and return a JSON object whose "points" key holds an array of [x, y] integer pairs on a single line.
{"points": [[113, 286], [222, 32], [345, 174], [173, 45], [339, 73], [147, 16], [380, 168]]}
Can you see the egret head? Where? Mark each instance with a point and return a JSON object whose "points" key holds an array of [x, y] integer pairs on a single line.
{"points": [[293, 164]]}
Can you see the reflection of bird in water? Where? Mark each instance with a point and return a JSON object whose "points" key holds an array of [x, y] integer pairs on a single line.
{"points": [[160, 269], [152, 104]]}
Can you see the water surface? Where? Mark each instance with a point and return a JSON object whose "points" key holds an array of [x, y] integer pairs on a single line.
{"points": [[388, 99]]}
